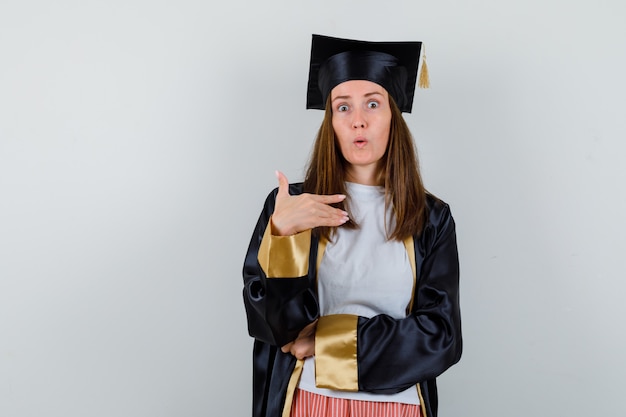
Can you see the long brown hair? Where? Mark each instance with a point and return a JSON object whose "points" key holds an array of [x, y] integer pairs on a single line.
{"points": [[398, 172]]}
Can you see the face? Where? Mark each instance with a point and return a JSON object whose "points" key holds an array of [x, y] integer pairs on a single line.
{"points": [[361, 119]]}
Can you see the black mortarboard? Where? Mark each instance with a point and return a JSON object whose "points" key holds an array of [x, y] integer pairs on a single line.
{"points": [[393, 65]]}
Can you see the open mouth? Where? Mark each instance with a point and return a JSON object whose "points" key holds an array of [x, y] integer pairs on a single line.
{"points": [[360, 142]]}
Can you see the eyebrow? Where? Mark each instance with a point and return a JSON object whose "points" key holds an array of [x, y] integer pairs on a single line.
{"points": [[365, 95]]}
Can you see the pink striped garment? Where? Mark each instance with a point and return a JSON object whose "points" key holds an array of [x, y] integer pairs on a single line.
{"points": [[308, 404]]}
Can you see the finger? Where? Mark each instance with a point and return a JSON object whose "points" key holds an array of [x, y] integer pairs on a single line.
{"points": [[323, 215], [287, 347], [329, 199], [300, 355], [303, 348], [330, 222], [295, 351], [283, 184], [323, 211]]}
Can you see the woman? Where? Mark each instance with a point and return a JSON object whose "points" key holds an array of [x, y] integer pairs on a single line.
{"points": [[351, 278]]}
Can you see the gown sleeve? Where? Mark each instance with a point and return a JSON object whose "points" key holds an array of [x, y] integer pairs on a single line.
{"points": [[386, 355], [277, 290]]}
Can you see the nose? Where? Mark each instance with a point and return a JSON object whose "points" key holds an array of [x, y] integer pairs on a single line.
{"points": [[358, 121]]}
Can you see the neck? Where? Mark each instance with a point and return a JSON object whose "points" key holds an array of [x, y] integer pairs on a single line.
{"points": [[362, 175]]}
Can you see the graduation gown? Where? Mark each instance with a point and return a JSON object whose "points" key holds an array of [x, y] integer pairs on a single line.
{"points": [[378, 354]]}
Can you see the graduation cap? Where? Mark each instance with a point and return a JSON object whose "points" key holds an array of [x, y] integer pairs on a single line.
{"points": [[393, 65]]}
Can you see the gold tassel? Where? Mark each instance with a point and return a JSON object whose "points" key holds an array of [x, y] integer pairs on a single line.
{"points": [[424, 81]]}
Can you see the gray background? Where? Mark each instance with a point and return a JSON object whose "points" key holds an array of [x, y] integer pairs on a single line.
{"points": [[139, 138]]}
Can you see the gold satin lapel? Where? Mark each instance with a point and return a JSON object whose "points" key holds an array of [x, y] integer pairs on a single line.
{"points": [[409, 244], [291, 387], [297, 371], [321, 248], [285, 256], [419, 394], [335, 352]]}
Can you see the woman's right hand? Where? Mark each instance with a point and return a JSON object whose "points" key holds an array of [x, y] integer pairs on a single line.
{"points": [[296, 213]]}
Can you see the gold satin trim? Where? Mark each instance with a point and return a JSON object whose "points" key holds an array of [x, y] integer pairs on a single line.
{"points": [[321, 248], [285, 256], [291, 387], [335, 352], [419, 394], [409, 244]]}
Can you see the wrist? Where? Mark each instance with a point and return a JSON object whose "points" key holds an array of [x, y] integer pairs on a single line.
{"points": [[278, 231]]}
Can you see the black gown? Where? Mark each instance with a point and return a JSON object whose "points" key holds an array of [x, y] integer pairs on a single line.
{"points": [[391, 354]]}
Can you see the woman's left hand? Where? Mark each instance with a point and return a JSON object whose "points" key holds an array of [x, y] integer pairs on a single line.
{"points": [[304, 345]]}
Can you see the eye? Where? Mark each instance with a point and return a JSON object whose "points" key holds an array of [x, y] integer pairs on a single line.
{"points": [[342, 107], [372, 104]]}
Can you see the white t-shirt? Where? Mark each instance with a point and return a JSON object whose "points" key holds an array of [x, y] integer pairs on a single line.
{"points": [[362, 273]]}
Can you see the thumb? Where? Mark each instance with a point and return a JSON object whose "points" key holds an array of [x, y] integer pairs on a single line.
{"points": [[283, 184]]}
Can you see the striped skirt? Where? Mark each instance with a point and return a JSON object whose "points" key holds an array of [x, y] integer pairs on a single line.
{"points": [[308, 404]]}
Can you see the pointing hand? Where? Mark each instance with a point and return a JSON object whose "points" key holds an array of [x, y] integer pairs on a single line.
{"points": [[296, 213]]}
